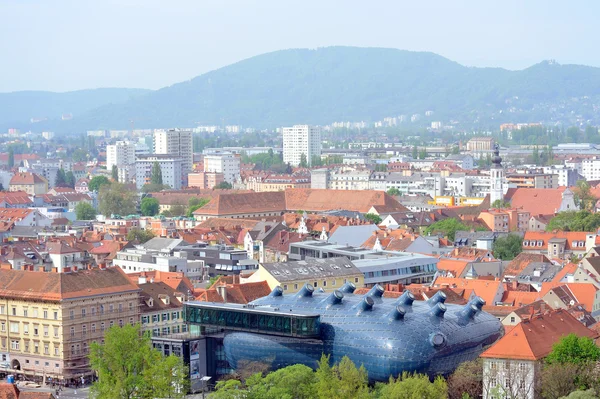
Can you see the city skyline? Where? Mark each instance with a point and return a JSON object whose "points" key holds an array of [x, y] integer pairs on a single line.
{"points": [[134, 43]]}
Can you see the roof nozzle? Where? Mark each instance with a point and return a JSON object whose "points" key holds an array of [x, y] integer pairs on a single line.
{"points": [[335, 297], [407, 298], [376, 292], [438, 310], [468, 311], [478, 302], [439, 297], [306, 291], [348, 288], [366, 304], [277, 291], [397, 313]]}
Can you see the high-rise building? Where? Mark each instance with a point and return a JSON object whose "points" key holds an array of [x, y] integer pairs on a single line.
{"points": [[226, 163], [122, 154], [176, 142], [298, 140], [170, 167]]}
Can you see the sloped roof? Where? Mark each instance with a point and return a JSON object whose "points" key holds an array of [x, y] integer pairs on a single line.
{"points": [[311, 269], [545, 201], [20, 284], [456, 267], [521, 261], [156, 291], [483, 288], [352, 235], [533, 339], [26, 178]]}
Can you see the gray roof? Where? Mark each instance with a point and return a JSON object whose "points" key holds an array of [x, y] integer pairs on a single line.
{"points": [[312, 269], [354, 236], [158, 244], [546, 271]]}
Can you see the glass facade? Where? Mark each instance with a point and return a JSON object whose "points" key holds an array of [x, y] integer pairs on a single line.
{"points": [[387, 335]]}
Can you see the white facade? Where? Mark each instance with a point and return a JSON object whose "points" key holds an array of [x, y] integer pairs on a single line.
{"points": [[223, 162], [298, 140], [175, 142], [590, 168], [170, 167], [48, 135], [122, 154], [507, 378]]}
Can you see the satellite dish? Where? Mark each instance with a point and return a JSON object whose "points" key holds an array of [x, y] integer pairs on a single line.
{"points": [[572, 302]]}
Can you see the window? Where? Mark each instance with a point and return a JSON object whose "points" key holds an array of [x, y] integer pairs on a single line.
{"points": [[1, 309], [155, 318], [55, 332], [46, 350], [356, 279], [3, 326], [512, 319], [72, 314], [84, 330], [14, 327], [25, 328], [131, 321], [295, 286], [35, 329], [285, 287], [46, 331], [14, 311], [55, 315], [111, 308], [120, 307], [36, 347], [35, 312], [45, 313], [120, 322], [14, 345], [72, 332], [25, 312], [101, 309], [83, 312], [112, 323], [130, 306], [324, 283], [102, 326], [315, 284]]}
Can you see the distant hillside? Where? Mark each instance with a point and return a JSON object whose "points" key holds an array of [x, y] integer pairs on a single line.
{"points": [[18, 108], [350, 84]]}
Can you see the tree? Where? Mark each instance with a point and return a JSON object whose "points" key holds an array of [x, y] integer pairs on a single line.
{"points": [[156, 174], [224, 186], [114, 173], [558, 380], [507, 248], [176, 209], [414, 386], [154, 188], [195, 204], [295, 381], [70, 179], [84, 211], [316, 161], [423, 153], [128, 367], [393, 191], [140, 236], [343, 380], [500, 204], [96, 182], [415, 152], [61, 178], [11, 157], [466, 379], [116, 199], [448, 227], [79, 155], [303, 161], [455, 150], [574, 349], [149, 206], [583, 196], [574, 221], [375, 219]]}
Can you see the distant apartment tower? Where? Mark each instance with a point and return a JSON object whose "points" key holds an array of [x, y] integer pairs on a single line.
{"points": [[298, 140], [226, 163], [170, 167], [121, 154], [176, 142], [205, 180]]}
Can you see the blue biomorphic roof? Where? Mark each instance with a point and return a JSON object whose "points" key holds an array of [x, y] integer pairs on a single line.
{"points": [[386, 335]]}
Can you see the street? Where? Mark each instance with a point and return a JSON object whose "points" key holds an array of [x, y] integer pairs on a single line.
{"points": [[66, 393]]}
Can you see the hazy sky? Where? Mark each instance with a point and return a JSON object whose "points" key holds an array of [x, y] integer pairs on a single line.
{"points": [[67, 45]]}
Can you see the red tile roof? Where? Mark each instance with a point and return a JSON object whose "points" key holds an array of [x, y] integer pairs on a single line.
{"points": [[483, 288], [521, 261], [543, 201], [26, 178], [532, 239], [533, 339]]}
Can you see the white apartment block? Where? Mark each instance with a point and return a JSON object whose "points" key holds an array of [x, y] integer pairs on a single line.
{"points": [[590, 168], [170, 167], [121, 154], [175, 142], [298, 140], [223, 162]]}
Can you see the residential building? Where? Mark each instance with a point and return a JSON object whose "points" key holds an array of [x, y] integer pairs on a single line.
{"points": [[122, 155], [567, 177], [205, 180], [539, 222], [464, 161], [558, 245], [170, 167], [301, 140], [505, 220], [30, 183], [328, 274], [161, 308], [532, 180], [590, 168], [480, 144], [177, 143], [226, 163], [513, 364], [49, 320]]}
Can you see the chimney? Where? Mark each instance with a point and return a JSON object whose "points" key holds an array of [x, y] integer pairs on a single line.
{"points": [[543, 308], [142, 279], [222, 290], [514, 284]]}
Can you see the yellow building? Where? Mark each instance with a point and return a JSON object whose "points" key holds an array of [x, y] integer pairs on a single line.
{"points": [[31, 183], [49, 320], [328, 274]]}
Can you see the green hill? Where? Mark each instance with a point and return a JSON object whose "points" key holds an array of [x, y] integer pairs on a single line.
{"points": [[349, 84]]}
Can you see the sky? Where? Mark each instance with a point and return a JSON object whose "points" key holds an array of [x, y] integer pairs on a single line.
{"points": [[64, 45]]}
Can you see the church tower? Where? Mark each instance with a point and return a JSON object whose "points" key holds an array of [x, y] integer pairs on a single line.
{"points": [[496, 177]]}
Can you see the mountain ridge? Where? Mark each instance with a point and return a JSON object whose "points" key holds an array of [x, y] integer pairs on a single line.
{"points": [[319, 86]]}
